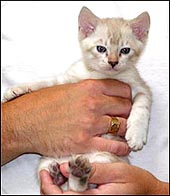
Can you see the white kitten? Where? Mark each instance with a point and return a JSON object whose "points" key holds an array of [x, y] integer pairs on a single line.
{"points": [[110, 49]]}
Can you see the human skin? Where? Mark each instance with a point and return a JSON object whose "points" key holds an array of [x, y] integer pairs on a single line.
{"points": [[65, 119], [112, 178]]}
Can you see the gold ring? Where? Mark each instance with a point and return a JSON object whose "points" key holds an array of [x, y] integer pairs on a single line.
{"points": [[114, 126]]}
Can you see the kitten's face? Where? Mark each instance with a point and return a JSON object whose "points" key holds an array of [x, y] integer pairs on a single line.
{"points": [[111, 45]]}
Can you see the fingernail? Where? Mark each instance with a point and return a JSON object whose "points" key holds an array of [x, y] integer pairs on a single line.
{"points": [[43, 173]]}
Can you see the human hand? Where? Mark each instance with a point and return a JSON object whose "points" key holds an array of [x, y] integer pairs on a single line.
{"points": [[111, 178], [68, 118], [77, 113]]}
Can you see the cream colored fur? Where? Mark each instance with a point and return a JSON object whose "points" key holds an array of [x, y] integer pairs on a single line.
{"points": [[114, 34]]}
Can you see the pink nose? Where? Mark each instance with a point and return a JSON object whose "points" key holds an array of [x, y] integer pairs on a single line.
{"points": [[113, 63]]}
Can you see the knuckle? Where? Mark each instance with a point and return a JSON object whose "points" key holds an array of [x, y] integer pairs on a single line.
{"points": [[92, 104], [127, 91], [128, 103], [88, 123], [123, 127], [127, 107], [120, 148], [91, 122], [125, 150], [89, 84]]}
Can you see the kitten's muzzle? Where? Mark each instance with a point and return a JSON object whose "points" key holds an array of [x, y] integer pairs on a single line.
{"points": [[113, 63]]}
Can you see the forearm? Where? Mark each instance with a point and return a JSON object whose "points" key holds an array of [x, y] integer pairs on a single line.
{"points": [[56, 120], [162, 188], [14, 138], [24, 124], [154, 185]]}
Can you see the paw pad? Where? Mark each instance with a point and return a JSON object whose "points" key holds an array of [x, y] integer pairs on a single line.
{"points": [[56, 175]]}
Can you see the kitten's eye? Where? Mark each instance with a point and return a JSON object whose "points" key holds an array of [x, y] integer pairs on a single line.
{"points": [[101, 49], [125, 50]]}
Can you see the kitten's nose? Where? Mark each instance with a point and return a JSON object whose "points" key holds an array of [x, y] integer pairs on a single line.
{"points": [[113, 63]]}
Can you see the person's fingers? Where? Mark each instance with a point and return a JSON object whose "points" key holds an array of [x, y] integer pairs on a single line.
{"points": [[123, 127], [115, 88], [100, 175], [105, 189], [47, 185], [45, 177], [117, 147], [111, 189], [102, 126], [116, 106], [114, 173]]}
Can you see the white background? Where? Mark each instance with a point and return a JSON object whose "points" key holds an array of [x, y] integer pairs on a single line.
{"points": [[41, 40]]}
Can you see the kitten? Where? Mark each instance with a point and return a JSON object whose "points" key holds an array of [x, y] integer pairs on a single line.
{"points": [[110, 49]]}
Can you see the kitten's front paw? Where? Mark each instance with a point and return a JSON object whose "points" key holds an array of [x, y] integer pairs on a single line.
{"points": [[136, 138], [13, 93], [56, 175], [80, 169]]}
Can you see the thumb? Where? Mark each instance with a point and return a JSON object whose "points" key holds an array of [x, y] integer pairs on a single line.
{"points": [[103, 173], [47, 186]]}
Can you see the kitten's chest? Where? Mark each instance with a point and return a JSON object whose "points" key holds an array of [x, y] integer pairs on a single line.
{"points": [[127, 76], [79, 71]]}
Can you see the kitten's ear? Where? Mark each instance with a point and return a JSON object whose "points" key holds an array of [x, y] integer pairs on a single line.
{"points": [[140, 26], [87, 22]]}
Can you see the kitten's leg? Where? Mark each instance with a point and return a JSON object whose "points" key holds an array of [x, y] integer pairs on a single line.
{"points": [[80, 169], [138, 121], [29, 87], [26, 88], [16, 92]]}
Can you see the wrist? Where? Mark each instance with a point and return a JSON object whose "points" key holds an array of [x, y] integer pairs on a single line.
{"points": [[158, 187], [15, 141], [162, 188]]}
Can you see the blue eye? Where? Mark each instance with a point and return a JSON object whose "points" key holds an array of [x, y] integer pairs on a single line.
{"points": [[125, 50], [101, 49]]}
